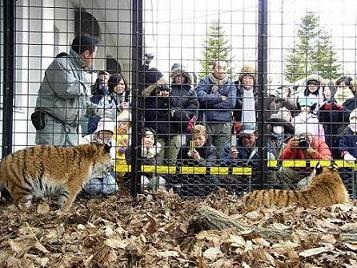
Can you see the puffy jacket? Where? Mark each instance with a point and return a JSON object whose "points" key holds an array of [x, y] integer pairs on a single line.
{"points": [[322, 151], [64, 91], [217, 106], [348, 142]]}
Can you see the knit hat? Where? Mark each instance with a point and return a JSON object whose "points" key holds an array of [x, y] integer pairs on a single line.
{"points": [[247, 70], [105, 124], [353, 114], [282, 118], [151, 76]]}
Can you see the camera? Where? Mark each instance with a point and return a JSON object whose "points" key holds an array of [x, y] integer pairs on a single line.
{"points": [[161, 88], [304, 142]]}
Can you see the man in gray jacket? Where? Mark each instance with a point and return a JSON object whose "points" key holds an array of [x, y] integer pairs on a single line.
{"points": [[63, 95]]}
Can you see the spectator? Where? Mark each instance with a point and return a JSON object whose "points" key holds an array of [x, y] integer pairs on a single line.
{"points": [[216, 95], [202, 153], [245, 151], [350, 104], [63, 97], [247, 98], [122, 138], [304, 145], [301, 146], [157, 115], [312, 91], [115, 102], [281, 131], [150, 149], [282, 97], [104, 183], [330, 116], [307, 120], [344, 89], [100, 87], [183, 102], [348, 142]]}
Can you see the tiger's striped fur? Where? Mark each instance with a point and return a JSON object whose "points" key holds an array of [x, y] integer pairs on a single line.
{"points": [[45, 170], [326, 188]]}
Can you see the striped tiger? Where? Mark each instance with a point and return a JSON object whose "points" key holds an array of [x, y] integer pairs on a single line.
{"points": [[326, 188], [46, 170]]}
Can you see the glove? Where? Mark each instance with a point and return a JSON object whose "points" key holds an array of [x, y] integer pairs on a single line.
{"points": [[349, 157]]}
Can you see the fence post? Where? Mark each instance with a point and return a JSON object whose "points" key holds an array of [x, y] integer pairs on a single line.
{"points": [[136, 54], [9, 74], [262, 87]]}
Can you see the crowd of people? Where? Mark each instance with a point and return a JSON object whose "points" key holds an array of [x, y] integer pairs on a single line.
{"points": [[188, 123]]}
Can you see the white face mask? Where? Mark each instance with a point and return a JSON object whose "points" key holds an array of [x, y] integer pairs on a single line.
{"points": [[278, 129]]}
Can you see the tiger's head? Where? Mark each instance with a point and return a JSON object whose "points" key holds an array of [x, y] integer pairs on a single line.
{"points": [[326, 173]]}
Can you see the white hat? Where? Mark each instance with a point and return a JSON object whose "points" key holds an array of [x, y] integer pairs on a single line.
{"points": [[248, 128], [105, 124]]}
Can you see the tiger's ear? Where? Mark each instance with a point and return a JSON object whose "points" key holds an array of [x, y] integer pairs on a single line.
{"points": [[333, 166], [318, 168], [107, 147]]}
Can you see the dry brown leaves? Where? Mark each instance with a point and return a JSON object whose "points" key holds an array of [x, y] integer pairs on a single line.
{"points": [[151, 231]]}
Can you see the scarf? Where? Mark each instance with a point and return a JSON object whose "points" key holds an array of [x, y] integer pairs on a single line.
{"points": [[217, 83]]}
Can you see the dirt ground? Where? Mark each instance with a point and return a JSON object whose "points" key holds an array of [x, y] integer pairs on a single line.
{"points": [[153, 231]]}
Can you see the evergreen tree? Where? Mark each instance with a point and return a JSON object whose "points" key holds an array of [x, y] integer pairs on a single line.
{"points": [[313, 53], [215, 48]]}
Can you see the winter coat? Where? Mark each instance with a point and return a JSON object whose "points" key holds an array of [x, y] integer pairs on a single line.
{"points": [[330, 116], [348, 142], [184, 105], [246, 156], [157, 112], [192, 184], [323, 152], [64, 91], [216, 106]]}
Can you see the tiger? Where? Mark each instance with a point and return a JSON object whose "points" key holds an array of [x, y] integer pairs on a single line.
{"points": [[47, 170], [325, 189]]}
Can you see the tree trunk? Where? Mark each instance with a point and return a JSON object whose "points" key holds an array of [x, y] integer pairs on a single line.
{"points": [[210, 219]]}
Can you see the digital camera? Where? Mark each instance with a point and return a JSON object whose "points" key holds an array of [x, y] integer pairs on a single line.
{"points": [[304, 142]]}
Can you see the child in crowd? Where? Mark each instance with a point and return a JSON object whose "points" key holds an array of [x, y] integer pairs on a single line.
{"points": [[122, 138], [150, 150], [105, 184]]}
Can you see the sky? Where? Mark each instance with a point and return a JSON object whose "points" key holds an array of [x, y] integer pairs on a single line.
{"points": [[176, 29]]}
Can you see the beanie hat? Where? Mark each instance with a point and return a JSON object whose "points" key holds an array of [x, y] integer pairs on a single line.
{"points": [[105, 124], [247, 70], [151, 76], [282, 118], [353, 114]]}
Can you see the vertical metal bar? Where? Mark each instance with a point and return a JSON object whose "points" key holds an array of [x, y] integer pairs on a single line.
{"points": [[9, 75], [262, 87], [136, 54]]}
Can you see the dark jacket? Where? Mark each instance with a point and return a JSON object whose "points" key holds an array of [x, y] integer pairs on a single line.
{"points": [[184, 104], [246, 156], [192, 184], [348, 142]]}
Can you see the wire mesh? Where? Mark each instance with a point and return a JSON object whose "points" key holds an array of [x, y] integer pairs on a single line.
{"points": [[193, 96]]}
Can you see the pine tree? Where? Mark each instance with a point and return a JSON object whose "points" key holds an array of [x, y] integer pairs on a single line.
{"points": [[313, 53], [215, 48]]}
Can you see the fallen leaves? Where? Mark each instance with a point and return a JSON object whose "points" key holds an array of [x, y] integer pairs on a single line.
{"points": [[152, 231]]}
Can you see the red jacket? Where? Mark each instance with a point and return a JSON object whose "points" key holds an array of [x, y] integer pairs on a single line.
{"points": [[321, 148]]}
